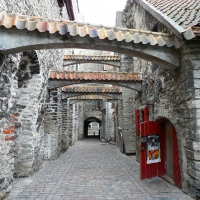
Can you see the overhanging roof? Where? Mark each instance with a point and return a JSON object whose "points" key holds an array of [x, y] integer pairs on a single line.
{"points": [[61, 78], [96, 89], [52, 26], [91, 57], [178, 15]]}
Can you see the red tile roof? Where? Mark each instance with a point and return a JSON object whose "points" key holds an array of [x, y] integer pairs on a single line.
{"points": [[52, 26], [90, 57], [114, 76], [92, 97], [94, 89]]}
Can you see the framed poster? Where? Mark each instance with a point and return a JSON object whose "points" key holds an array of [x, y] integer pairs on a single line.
{"points": [[153, 149]]}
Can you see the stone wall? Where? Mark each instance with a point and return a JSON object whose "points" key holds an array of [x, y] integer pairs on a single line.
{"points": [[29, 139], [65, 136], [128, 95], [172, 95], [109, 122], [32, 72], [81, 121], [75, 128], [8, 93]]}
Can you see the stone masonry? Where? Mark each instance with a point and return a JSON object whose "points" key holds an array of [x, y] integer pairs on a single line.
{"points": [[171, 95], [8, 93], [25, 101], [28, 110]]}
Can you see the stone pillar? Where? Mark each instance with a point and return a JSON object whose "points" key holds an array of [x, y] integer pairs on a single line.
{"points": [[109, 122], [30, 102], [81, 122], [53, 122], [70, 124], [120, 120], [75, 123], [103, 135], [65, 139], [128, 120], [128, 130]]}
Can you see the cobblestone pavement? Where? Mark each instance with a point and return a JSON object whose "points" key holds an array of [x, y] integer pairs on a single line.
{"points": [[91, 170]]}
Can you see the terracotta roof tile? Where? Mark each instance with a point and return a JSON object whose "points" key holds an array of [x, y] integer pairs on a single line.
{"points": [[91, 97], [118, 76], [52, 26], [96, 89], [91, 57]]}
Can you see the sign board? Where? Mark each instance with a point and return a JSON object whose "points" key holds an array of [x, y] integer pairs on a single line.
{"points": [[153, 149], [47, 146]]}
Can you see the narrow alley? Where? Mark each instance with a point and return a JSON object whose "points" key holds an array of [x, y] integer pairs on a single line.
{"points": [[93, 170]]}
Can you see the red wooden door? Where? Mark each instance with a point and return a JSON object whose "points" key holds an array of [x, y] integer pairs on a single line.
{"points": [[176, 164], [151, 150]]}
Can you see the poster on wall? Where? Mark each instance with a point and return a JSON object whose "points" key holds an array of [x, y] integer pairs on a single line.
{"points": [[153, 149], [47, 146]]}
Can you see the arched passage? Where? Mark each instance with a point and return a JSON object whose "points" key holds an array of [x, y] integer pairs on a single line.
{"points": [[87, 125], [88, 97], [111, 63], [171, 152], [70, 95], [28, 127], [150, 46], [65, 78], [71, 59]]}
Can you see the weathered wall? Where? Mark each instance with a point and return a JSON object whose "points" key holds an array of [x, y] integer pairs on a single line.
{"points": [[75, 123], [109, 122], [8, 93], [173, 95], [31, 96], [128, 108], [53, 122], [80, 122], [65, 136], [30, 114]]}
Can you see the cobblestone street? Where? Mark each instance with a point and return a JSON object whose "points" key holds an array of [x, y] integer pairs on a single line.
{"points": [[93, 170]]}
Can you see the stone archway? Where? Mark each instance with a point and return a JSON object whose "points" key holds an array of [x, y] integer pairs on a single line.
{"points": [[76, 91], [30, 113], [39, 34], [89, 121], [171, 152], [64, 78], [112, 60]]}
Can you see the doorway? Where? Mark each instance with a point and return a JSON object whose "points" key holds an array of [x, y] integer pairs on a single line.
{"points": [[172, 162], [92, 127]]}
